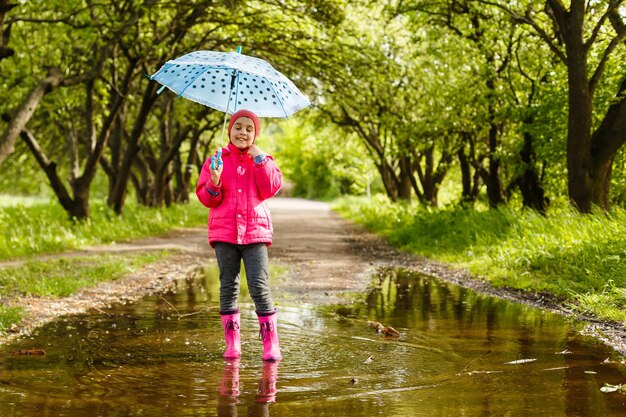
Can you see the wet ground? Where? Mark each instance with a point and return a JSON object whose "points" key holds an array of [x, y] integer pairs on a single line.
{"points": [[459, 354]]}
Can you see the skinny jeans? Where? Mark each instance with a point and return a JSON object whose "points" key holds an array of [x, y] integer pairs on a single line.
{"points": [[256, 263]]}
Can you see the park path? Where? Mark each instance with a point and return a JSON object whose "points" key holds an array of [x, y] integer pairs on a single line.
{"points": [[323, 254]]}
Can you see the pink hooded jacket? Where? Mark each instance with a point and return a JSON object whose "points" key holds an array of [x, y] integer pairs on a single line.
{"points": [[238, 213]]}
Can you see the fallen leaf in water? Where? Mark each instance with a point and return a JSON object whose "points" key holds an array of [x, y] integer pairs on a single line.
{"points": [[28, 352], [354, 381], [591, 372], [390, 331], [378, 327], [381, 329], [558, 368], [610, 388], [520, 361], [369, 360]]}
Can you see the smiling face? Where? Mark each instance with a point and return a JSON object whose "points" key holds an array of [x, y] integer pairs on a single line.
{"points": [[242, 133]]}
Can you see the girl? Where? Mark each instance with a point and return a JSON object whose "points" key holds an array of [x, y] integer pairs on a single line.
{"points": [[240, 227]]}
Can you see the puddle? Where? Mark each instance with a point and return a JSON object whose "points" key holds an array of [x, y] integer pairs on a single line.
{"points": [[458, 354]]}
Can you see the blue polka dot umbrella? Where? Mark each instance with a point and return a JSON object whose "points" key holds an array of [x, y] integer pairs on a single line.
{"points": [[231, 81]]}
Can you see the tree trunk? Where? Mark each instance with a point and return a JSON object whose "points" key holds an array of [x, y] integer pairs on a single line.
{"points": [[76, 207], [26, 110], [431, 175], [570, 28], [115, 150], [528, 180], [492, 181], [121, 185], [405, 187], [184, 185], [389, 181], [466, 177], [605, 144], [140, 177], [579, 182], [178, 193]]}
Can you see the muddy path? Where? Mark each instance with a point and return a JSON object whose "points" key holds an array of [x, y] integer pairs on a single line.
{"points": [[323, 255]]}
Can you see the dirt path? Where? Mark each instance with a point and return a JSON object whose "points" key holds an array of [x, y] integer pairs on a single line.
{"points": [[324, 254]]}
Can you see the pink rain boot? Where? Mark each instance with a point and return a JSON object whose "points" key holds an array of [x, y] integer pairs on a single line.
{"points": [[230, 323], [269, 335]]}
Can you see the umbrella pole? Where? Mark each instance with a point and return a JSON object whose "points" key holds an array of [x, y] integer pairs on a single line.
{"points": [[230, 93], [223, 128]]}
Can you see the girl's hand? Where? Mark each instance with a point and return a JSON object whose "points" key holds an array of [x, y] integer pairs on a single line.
{"points": [[216, 167], [255, 151]]}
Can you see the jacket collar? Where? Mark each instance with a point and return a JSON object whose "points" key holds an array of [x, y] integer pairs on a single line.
{"points": [[232, 148]]}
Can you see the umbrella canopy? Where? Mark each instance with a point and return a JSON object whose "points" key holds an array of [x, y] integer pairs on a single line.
{"points": [[231, 81]]}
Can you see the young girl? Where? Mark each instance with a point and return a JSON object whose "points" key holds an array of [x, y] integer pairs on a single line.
{"points": [[234, 184]]}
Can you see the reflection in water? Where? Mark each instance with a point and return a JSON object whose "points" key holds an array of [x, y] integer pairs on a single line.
{"points": [[163, 357], [267, 384], [229, 390]]}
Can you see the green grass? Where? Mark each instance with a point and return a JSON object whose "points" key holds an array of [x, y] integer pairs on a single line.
{"points": [[63, 277], [31, 228], [9, 316], [46, 228], [578, 258]]}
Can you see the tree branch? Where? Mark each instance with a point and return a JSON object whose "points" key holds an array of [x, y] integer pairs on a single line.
{"points": [[595, 78], [26, 111], [527, 18], [596, 30]]}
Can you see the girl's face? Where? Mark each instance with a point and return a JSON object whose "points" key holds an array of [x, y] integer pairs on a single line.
{"points": [[242, 133]]}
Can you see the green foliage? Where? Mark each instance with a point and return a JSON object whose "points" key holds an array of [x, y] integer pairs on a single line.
{"points": [[65, 276], [569, 255], [111, 46], [321, 161], [412, 77], [45, 228], [9, 316]]}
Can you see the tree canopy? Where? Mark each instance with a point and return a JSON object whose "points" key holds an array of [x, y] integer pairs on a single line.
{"points": [[510, 101]]}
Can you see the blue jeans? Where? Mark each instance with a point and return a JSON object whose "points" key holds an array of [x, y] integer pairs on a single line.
{"points": [[256, 262]]}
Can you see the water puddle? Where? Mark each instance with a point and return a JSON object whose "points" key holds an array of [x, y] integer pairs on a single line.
{"points": [[458, 354]]}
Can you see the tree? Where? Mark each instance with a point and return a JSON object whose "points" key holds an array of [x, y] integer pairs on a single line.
{"points": [[103, 115], [584, 37], [372, 88]]}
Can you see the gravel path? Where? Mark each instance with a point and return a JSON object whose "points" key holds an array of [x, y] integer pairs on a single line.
{"points": [[324, 255]]}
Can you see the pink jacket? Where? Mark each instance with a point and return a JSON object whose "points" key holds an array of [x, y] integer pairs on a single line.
{"points": [[238, 213]]}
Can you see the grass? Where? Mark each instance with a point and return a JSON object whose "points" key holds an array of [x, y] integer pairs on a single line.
{"points": [[9, 316], [46, 228], [580, 259], [31, 228], [63, 277]]}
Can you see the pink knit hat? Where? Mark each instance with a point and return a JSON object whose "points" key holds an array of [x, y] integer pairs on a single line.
{"points": [[244, 113]]}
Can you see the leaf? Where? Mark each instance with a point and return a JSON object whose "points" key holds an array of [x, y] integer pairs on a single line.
{"points": [[29, 352], [520, 361], [609, 388]]}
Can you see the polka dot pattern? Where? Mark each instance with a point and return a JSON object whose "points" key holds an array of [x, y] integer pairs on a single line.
{"points": [[210, 78]]}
